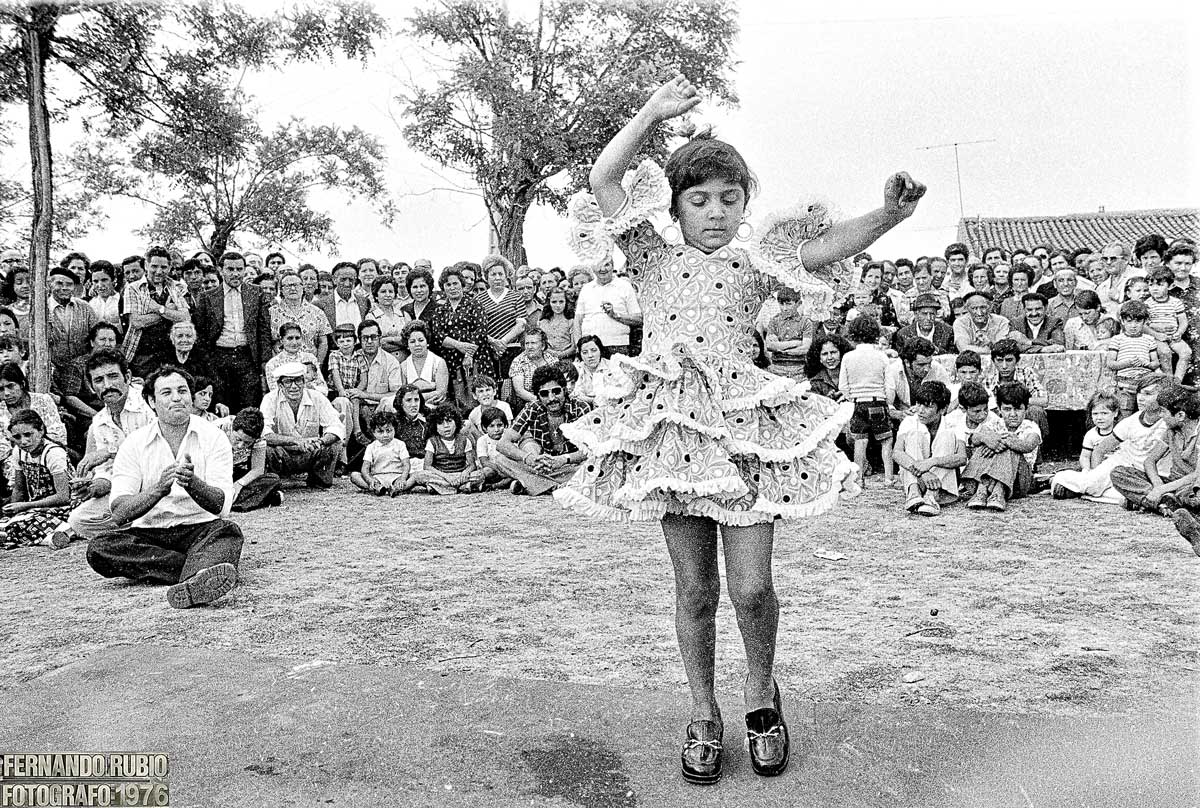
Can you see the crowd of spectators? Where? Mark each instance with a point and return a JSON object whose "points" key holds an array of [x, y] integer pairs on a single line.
{"points": [[183, 390]]}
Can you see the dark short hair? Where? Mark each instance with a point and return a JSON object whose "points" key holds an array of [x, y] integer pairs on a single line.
{"points": [[1149, 380], [904, 262], [135, 259], [230, 255], [448, 272], [249, 420], [442, 413], [11, 372], [592, 338], [383, 418], [1105, 398], [271, 255], [490, 415], [103, 325], [1177, 398], [702, 159], [972, 394], [968, 359], [957, 248], [102, 266], [162, 373], [158, 251], [28, 418], [1177, 250], [382, 281], [1134, 310], [1021, 269], [812, 362], [420, 274], [1087, 300], [416, 326], [932, 392], [1160, 274], [1151, 242], [1030, 297], [368, 323], [917, 346], [103, 357], [340, 265], [482, 380], [989, 250], [534, 332], [546, 374], [864, 329], [289, 327], [1006, 347], [1013, 394]]}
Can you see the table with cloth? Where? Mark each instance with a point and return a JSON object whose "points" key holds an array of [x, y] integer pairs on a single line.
{"points": [[1071, 378]]}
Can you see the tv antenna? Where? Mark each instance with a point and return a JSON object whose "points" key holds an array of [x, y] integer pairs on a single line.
{"points": [[957, 167]]}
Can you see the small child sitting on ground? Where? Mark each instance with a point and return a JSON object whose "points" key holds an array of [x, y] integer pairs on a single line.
{"points": [[449, 455], [385, 460], [494, 423], [1005, 452], [39, 475], [1104, 410], [1168, 322], [864, 379], [974, 407]]}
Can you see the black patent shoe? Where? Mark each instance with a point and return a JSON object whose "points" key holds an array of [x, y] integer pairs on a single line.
{"points": [[701, 757], [768, 736]]}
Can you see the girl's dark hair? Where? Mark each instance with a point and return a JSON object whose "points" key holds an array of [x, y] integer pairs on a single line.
{"points": [[249, 420], [568, 310], [382, 281], [29, 418], [11, 372], [8, 292], [405, 389], [702, 159], [420, 274], [812, 362], [491, 415], [412, 328], [200, 382], [441, 414]]}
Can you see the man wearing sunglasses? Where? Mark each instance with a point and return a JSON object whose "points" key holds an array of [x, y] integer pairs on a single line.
{"points": [[533, 451]]}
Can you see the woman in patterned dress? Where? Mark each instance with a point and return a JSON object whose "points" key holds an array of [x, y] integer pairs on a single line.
{"points": [[1180, 259], [459, 330], [691, 432]]}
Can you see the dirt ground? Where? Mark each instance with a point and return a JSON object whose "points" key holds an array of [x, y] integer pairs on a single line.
{"points": [[1053, 607]]}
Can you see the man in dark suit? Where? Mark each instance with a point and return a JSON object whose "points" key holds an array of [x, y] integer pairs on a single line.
{"points": [[343, 307], [234, 328], [1037, 332]]}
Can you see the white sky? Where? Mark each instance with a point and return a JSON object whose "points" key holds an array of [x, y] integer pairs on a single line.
{"points": [[1088, 105]]}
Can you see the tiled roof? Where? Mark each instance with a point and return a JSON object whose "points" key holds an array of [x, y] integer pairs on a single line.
{"points": [[1076, 229]]}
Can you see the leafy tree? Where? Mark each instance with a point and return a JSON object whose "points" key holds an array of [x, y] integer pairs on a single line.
{"points": [[518, 101], [137, 63]]}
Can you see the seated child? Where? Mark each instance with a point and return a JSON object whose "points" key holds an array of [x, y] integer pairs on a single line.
{"points": [[291, 344], [864, 378], [929, 452], [253, 486], [1146, 487], [1005, 454], [494, 423], [385, 468], [10, 351], [1168, 322], [1132, 354], [974, 407], [312, 378], [483, 388], [449, 456], [968, 367], [1106, 329], [1104, 410], [39, 476]]}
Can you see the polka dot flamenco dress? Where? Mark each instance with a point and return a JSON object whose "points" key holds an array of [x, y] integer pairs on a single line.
{"points": [[692, 426]]}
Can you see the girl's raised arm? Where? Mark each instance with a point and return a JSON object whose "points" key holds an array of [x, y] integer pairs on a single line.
{"points": [[672, 99], [844, 239]]}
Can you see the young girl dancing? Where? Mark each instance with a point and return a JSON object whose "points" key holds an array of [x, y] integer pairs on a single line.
{"points": [[691, 432]]}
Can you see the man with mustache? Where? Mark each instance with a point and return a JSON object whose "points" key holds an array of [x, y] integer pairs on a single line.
{"points": [[172, 488], [124, 411]]}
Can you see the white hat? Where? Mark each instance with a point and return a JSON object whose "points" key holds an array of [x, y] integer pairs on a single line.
{"points": [[290, 369]]}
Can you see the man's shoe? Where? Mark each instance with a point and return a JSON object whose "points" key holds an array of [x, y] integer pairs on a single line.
{"points": [[996, 501], [701, 756], [204, 587], [1062, 492], [979, 501], [1189, 528], [768, 737], [61, 538]]}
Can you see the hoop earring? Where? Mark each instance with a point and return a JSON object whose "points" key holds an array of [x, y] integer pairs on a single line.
{"points": [[672, 233], [749, 231]]}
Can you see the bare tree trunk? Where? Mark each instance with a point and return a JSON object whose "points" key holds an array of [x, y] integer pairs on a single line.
{"points": [[37, 37], [508, 232]]}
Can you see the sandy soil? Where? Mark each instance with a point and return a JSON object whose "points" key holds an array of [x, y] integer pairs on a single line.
{"points": [[1053, 607]]}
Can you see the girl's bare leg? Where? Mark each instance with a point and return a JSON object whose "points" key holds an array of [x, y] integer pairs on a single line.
{"points": [[692, 545], [752, 590]]}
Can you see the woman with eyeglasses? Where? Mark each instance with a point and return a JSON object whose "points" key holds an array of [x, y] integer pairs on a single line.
{"points": [[291, 307]]}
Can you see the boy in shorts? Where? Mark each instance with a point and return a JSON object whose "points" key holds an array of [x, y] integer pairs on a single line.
{"points": [[864, 379], [1132, 354]]}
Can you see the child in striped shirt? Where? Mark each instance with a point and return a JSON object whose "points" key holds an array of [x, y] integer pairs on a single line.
{"points": [[1132, 354], [1168, 321]]}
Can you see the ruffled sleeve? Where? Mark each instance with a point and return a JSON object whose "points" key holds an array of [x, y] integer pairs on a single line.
{"points": [[816, 296], [593, 235], [776, 255]]}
